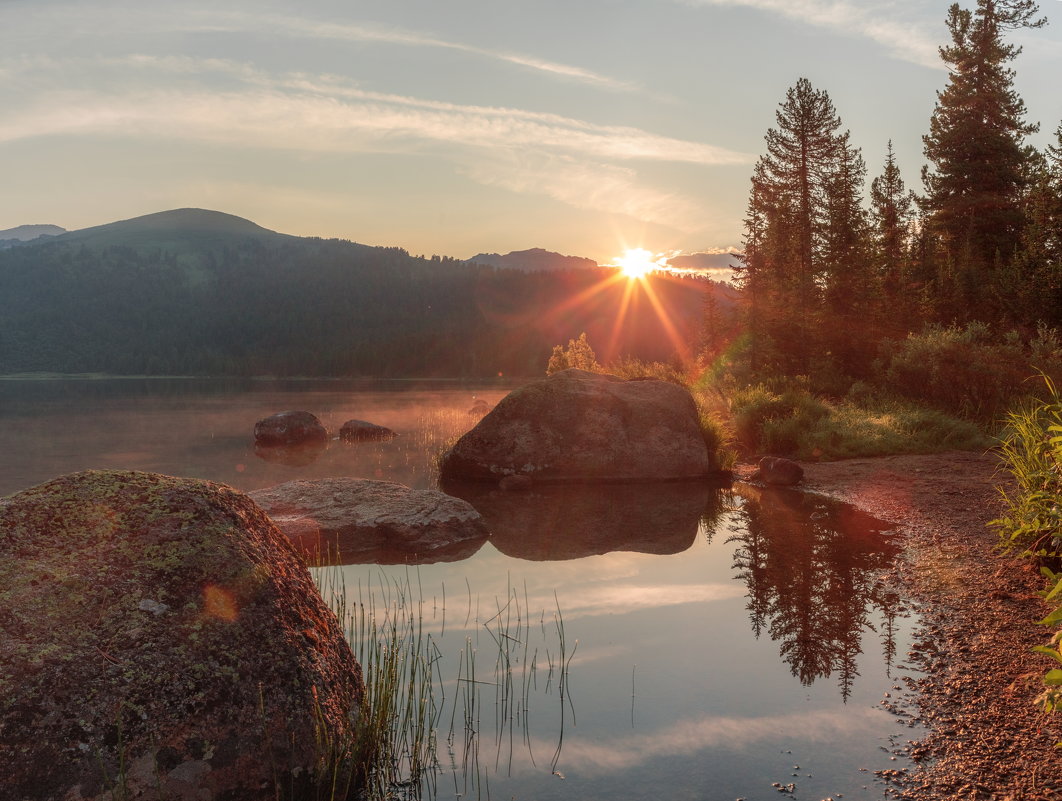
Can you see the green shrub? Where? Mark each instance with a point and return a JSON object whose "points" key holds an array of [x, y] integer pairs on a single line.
{"points": [[968, 370]]}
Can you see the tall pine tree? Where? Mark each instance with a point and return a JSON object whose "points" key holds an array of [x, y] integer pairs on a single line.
{"points": [[805, 264], [976, 149], [892, 212]]}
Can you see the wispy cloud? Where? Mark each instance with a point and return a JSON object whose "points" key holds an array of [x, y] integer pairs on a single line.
{"points": [[689, 737], [587, 185], [579, 163], [328, 113], [295, 26], [902, 38]]}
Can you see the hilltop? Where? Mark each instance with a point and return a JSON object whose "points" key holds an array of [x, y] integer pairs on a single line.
{"points": [[533, 259]]}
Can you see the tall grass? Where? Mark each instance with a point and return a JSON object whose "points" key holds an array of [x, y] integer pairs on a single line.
{"points": [[1031, 450], [413, 732]]}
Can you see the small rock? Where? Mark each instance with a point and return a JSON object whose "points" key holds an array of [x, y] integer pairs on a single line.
{"points": [[156, 608]]}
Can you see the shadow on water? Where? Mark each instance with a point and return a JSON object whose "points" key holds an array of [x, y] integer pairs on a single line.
{"points": [[558, 522], [330, 549], [812, 568]]}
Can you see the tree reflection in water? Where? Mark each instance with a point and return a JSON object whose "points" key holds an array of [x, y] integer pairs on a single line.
{"points": [[812, 567]]}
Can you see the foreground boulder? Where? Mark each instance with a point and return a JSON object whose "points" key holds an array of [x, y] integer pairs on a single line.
{"points": [[162, 632], [289, 428], [361, 431], [583, 426], [778, 472], [355, 520]]}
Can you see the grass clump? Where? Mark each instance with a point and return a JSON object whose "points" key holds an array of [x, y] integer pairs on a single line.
{"points": [[1031, 449], [1032, 453], [795, 423]]}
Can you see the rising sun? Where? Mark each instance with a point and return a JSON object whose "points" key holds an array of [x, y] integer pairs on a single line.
{"points": [[638, 262]]}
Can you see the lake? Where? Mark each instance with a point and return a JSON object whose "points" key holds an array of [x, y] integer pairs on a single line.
{"points": [[678, 641]]}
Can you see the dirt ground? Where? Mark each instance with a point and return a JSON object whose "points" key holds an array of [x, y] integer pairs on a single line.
{"points": [[979, 608]]}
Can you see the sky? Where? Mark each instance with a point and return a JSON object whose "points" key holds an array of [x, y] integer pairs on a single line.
{"points": [[455, 127]]}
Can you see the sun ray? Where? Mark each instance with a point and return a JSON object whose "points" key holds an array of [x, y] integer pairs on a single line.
{"points": [[681, 347]]}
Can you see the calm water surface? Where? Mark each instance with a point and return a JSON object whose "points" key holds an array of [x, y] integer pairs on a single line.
{"points": [[716, 642]]}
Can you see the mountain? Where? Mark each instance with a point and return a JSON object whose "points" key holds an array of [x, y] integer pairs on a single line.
{"points": [[198, 229], [27, 233], [24, 233], [532, 260], [194, 292]]}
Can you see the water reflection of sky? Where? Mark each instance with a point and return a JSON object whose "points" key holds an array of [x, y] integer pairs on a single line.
{"points": [[729, 641]]}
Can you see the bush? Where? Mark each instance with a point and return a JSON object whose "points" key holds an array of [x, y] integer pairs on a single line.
{"points": [[578, 354], [968, 371]]}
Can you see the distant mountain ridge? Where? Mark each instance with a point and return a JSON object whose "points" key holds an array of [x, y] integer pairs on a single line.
{"points": [[533, 260], [28, 233], [188, 226]]}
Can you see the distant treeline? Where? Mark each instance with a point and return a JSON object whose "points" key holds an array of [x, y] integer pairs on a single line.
{"points": [[246, 305]]}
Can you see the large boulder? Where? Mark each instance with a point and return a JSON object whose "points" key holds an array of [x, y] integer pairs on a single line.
{"points": [[160, 635], [289, 428], [581, 426], [356, 520]]}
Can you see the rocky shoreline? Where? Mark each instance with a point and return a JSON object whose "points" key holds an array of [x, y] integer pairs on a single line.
{"points": [[979, 608]]}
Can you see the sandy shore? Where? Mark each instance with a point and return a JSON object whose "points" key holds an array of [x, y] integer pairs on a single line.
{"points": [[986, 738]]}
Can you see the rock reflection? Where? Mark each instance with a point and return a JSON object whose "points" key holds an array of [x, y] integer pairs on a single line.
{"points": [[558, 522], [325, 550], [291, 455], [811, 566]]}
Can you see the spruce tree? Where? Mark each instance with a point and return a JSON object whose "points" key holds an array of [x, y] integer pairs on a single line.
{"points": [[785, 227], [976, 146], [892, 211]]}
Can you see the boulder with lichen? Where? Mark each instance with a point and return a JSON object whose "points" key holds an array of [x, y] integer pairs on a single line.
{"points": [[160, 635], [581, 426]]}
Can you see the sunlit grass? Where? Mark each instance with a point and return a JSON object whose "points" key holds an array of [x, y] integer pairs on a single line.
{"points": [[795, 423]]}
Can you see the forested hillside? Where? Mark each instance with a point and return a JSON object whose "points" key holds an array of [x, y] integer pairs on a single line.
{"points": [[194, 292]]}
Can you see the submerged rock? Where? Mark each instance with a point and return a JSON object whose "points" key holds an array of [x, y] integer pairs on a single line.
{"points": [[289, 428], [361, 431], [356, 520], [778, 472], [583, 426], [164, 630], [291, 455]]}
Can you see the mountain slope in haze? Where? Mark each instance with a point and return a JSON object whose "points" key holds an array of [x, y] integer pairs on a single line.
{"points": [[18, 235], [203, 293], [24, 233], [533, 259]]}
